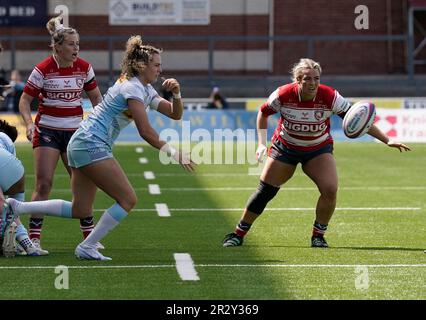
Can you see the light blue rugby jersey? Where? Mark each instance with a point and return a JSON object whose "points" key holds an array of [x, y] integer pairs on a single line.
{"points": [[7, 144], [112, 114]]}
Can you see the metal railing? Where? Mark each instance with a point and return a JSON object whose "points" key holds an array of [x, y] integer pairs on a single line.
{"points": [[310, 41]]}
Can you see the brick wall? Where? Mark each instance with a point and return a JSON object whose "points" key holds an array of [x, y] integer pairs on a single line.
{"points": [[322, 17], [291, 17]]}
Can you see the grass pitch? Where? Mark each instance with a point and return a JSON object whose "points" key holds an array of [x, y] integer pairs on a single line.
{"points": [[376, 237]]}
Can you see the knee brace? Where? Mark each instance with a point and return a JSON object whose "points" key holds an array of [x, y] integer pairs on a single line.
{"points": [[258, 200]]}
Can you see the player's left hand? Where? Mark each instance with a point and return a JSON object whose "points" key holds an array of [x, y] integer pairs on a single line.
{"points": [[399, 145], [171, 84]]}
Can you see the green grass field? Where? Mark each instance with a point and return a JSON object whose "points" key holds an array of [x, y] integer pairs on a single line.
{"points": [[376, 237]]}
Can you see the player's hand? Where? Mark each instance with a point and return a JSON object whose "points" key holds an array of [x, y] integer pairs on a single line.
{"points": [[171, 84], [399, 145], [261, 152], [185, 161], [30, 131]]}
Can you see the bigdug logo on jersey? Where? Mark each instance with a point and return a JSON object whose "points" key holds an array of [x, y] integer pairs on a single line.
{"points": [[63, 95], [297, 127]]}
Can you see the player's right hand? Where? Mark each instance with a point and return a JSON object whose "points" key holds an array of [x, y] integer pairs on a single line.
{"points": [[185, 161], [261, 152], [30, 131]]}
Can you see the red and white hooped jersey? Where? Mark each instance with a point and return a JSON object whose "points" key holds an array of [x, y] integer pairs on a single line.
{"points": [[59, 91], [304, 125]]}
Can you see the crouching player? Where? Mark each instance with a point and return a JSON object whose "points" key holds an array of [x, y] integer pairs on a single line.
{"points": [[12, 184]]}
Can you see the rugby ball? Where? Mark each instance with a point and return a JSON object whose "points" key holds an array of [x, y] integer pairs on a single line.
{"points": [[359, 119]]}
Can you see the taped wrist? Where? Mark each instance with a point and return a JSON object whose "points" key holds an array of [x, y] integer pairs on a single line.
{"points": [[260, 198]]}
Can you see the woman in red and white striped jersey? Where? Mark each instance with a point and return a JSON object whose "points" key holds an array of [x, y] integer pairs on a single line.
{"points": [[302, 136], [58, 82]]}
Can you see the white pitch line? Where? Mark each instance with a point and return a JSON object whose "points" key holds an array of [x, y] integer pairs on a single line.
{"points": [[285, 209], [154, 189], [162, 209], [185, 267], [285, 189], [139, 149], [149, 175], [154, 266], [164, 174], [315, 265], [93, 267], [143, 160], [303, 209], [291, 188]]}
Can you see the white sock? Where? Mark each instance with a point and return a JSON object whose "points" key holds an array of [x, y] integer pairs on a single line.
{"points": [[109, 220], [56, 208]]}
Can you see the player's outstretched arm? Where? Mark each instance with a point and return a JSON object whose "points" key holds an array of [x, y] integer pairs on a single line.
{"points": [[147, 132], [380, 135]]}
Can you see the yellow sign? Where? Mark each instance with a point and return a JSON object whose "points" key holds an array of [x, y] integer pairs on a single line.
{"points": [[254, 104]]}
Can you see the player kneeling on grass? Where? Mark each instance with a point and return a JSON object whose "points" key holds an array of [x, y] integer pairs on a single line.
{"points": [[12, 185], [302, 136], [90, 149]]}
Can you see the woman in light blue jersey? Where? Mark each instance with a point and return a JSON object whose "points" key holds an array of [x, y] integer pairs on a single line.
{"points": [[90, 149]]}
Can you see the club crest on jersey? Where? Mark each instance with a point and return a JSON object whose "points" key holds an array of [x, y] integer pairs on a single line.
{"points": [[319, 114], [79, 82]]}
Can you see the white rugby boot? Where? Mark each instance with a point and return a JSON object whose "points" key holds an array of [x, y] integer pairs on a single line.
{"points": [[36, 250], [9, 243], [86, 252], [99, 246]]}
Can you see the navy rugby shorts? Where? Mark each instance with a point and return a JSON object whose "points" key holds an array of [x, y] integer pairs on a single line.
{"points": [[56, 139], [280, 152]]}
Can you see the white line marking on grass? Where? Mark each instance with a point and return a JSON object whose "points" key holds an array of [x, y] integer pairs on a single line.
{"points": [[253, 188], [315, 265], [154, 189], [185, 267], [206, 174], [154, 266], [139, 149], [162, 209], [149, 175], [291, 188], [94, 267], [143, 160], [284, 209], [303, 209]]}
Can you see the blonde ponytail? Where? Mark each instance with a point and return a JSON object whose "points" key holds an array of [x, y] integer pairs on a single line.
{"points": [[137, 56], [57, 30]]}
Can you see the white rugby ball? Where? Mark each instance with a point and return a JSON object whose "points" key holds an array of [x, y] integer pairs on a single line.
{"points": [[359, 119]]}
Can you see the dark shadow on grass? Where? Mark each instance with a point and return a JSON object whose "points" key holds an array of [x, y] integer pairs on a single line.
{"points": [[347, 248]]}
